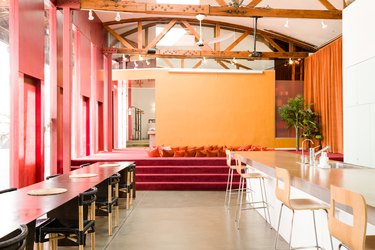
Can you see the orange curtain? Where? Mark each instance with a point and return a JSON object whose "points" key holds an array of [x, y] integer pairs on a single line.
{"points": [[323, 88]]}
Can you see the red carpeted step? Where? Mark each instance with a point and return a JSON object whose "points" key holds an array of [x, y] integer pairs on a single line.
{"points": [[181, 169], [184, 178], [182, 186]]}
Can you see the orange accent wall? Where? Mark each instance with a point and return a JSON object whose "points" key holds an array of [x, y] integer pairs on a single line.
{"points": [[210, 108]]}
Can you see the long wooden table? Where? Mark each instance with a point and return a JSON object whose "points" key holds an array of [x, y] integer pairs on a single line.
{"points": [[314, 180], [20, 208]]}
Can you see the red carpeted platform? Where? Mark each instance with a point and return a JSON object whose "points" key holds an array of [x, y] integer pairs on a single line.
{"points": [[175, 173]]}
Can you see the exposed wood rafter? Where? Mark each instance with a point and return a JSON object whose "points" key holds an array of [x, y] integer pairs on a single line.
{"points": [[162, 34], [238, 65], [195, 33], [238, 40], [273, 43], [327, 4], [253, 3], [118, 37], [221, 2], [222, 64], [192, 10], [198, 64]]}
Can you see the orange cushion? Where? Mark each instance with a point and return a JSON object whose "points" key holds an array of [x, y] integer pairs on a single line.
{"points": [[153, 152], [174, 149], [190, 153], [179, 153], [201, 153], [183, 148], [167, 153], [212, 153], [221, 153], [244, 148]]}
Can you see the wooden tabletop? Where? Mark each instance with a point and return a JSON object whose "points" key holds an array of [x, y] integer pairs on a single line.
{"points": [[313, 180], [18, 207]]}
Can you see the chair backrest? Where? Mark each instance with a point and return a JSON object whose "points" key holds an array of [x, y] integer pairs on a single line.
{"points": [[283, 185], [228, 157], [52, 176], [7, 190], [353, 236], [86, 199], [237, 159], [15, 240], [85, 165]]}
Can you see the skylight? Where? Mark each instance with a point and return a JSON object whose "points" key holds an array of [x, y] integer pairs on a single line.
{"points": [[174, 37], [193, 2]]}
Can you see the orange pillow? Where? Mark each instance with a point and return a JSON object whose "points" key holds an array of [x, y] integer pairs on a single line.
{"points": [[153, 152], [179, 153], [201, 153], [245, 148], [174, 149], [166, 153], [190, 153], [183, 148], [212, 153], [221, 153]]}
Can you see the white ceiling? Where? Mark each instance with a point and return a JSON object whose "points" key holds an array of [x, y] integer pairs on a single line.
{"points": [[307, 30]]}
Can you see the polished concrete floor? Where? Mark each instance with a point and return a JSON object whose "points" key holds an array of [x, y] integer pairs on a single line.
{"points": [[178, 220]]}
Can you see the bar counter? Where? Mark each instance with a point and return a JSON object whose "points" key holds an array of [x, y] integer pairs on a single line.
{"points": [[314, 180]]}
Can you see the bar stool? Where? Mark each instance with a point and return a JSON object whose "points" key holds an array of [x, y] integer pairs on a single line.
{"points": [[352, 236], [15, 240], [231, 168], [244, 176], [283, 194]]}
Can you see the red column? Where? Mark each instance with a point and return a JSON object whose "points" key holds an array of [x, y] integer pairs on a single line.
{"points": [[108, 122], [67, 88]]}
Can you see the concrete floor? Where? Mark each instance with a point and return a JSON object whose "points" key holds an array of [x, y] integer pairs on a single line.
{"points": [[178, 220]]}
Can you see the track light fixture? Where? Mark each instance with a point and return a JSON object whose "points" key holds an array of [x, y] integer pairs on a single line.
{"points": [[118, 17], [91, 17], [290, 61], [140, 58], [234, 60], [147, 62], [204, 61]]}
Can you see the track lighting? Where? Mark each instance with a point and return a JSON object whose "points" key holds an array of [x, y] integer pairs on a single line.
{"points": [[204, 61], [135, 64], [290, 61], [147, 62], [286, 25], [140, 58], [91, 17], [118, 17], [234, 60], [324, 26]]}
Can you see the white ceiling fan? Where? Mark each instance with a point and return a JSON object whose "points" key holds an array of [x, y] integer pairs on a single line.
{"points": [[201, 43]]}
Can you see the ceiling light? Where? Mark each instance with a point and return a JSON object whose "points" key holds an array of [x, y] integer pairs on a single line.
{"points": [[140, 58], [135, 64], [290, 61], [147, 62], [286, 25], [118, 17], [204, 61], [234, 60], [91, 17], [324, 26]]}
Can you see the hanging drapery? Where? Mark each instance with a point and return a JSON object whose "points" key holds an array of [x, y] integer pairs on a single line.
{"points": [[323, 88]]}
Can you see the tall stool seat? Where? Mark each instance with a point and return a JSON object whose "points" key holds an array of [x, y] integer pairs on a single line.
{"points": [[283, 194], [229, 189], [353, 236], [245, 175], [16, 240]]}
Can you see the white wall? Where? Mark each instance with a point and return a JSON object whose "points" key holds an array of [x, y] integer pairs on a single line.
{"points": [[359, 83]]}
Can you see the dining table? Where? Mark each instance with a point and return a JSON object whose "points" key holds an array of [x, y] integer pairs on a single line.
{"points": [[27, 204]]}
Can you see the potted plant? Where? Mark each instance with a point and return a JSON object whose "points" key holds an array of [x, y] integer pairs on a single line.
{"points": [[300, 116]]}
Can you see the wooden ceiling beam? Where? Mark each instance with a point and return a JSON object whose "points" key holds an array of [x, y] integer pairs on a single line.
{"points": [[273, 43], [238, 65], [168, 63], [139, 35], [198, 64], [118, 37], [193, 10], [222, 64], [169, 53], [161, 34], [238, 40], [221, 2], [195, 34], [253, 3], [327, 4]]}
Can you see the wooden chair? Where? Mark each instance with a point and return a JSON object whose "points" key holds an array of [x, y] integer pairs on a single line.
{"points": [[107, 199], [283, 194], [74, 230], [16, 240], [352, 236], [246, 176], [128, 184], [229, 189], [52, 176]]}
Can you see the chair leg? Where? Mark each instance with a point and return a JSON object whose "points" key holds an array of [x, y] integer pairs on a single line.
{"points": [[116, 215], [278, 225], [109, 223], [230, 186], [330, 236], [93, 240], [240, 205], [227, 188], [316, 234], [266, 200], [291, 231]]}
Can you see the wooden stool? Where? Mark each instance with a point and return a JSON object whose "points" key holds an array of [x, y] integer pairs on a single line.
{"points": [[128, 186], [352, 236], [283, 194], [244, 176]]}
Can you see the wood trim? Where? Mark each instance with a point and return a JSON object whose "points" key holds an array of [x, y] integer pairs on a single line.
{"points": [[192, 10], [327, 4], [238, 40], [161, 35]]}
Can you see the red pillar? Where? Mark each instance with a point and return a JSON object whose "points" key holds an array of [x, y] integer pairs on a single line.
{"points": [[108, 122]]}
